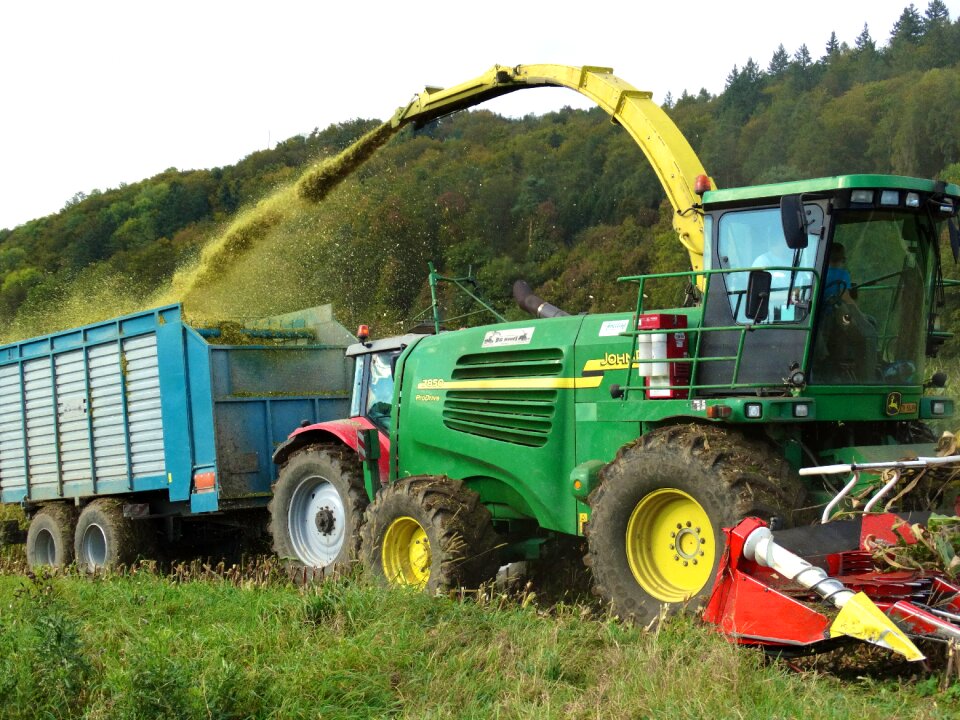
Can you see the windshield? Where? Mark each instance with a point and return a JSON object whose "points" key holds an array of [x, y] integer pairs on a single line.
{"points": [[754, 239], [380, 388], [873, 311]]}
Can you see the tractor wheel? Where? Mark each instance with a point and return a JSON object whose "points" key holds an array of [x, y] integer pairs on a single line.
{"points": [[104, 538], [431, 533], [50, 536], [317, 509], [655, 536]]}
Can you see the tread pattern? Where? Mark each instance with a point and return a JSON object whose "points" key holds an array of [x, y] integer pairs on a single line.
{"points": [[731, 475], [460, 529], [345, 471]]}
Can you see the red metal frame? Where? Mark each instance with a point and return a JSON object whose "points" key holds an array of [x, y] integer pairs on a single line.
{"points": [[751, 605]]}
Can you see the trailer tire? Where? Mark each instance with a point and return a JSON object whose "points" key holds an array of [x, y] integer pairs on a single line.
{"points": [[317, 510], [50, 536], [105, 539], [431, 533], [655, 536]]}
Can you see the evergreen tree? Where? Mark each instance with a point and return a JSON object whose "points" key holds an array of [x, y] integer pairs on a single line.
{"points": [[865, 43], [779, 62], [802, 58], [909, 28], [833, 46], [936, 15]]}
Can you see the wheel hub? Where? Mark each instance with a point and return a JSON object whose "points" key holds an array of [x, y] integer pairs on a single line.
{"points": [[325, 520], [317, 522], [670, 545], [406, 554]]}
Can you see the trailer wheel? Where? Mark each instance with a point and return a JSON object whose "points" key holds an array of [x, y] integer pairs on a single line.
{"points": [[655, 535], [432, 533], [104, 538], [50, 536], [317, 508]]}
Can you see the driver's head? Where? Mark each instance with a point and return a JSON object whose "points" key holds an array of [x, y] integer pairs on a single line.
{"points": [[838, 254]]}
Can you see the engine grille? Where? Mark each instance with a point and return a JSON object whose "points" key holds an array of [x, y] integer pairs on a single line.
{"points": [[513, 415]]}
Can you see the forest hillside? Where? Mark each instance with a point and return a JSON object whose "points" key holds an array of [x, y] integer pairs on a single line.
{"points": [[565, 200]]}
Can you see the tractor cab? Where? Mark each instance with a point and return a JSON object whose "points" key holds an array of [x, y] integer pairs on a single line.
{"points": [[374, 362], [830, 282]]}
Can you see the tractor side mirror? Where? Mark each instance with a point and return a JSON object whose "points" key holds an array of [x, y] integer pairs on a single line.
{"points": [[758, 295], [794, 220]]}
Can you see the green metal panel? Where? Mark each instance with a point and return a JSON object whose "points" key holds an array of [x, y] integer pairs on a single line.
{"points": [[841, 182], [494, 406]]}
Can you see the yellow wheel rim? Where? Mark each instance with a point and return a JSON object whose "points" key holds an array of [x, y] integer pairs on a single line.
{"points": [[406, 553], [670, 545]]}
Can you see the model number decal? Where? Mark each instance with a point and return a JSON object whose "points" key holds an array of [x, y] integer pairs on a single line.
{"points": [[430, 384]]}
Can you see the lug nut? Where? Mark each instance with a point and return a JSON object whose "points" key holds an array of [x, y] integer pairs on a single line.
{"points": [[689, 523], [676, 557], [685, 563], [673, 534], [694, 561], [679, 526]]}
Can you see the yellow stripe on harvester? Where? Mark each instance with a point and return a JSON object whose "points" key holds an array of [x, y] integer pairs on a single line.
{"points": [[569, 383]]}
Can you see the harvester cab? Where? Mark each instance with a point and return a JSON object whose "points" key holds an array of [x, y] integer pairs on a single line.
{"points": [[824, 283]]}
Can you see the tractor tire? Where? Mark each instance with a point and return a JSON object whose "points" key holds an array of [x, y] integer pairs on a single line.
{"points": [[317, 510], [104, 539], [432, 533], [655, 537], [50, 536]]}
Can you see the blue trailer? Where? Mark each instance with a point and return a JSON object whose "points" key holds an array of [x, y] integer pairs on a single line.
{"points": [[145, 417]]}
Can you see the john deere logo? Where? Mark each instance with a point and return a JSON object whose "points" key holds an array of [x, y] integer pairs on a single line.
{"points": [[893, 403]]}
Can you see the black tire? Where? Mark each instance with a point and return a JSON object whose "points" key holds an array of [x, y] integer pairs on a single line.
{"points": [[50, 536], [317, 510], [460, 548], [105, 539], [652, 488]]}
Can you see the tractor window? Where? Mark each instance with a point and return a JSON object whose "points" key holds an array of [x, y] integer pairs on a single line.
{"points": [[873, 308], [380, 388], [753, 239]]}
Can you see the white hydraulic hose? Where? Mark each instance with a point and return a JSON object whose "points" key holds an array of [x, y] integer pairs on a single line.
{"points": [[761, 548]]}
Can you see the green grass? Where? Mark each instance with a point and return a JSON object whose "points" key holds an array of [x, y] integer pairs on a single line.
{"points": [[143, 646]]}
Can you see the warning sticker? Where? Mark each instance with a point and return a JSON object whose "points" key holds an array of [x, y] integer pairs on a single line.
{"points": [[503, 338], [614, 327]]}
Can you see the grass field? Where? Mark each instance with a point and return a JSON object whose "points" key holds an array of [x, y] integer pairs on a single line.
{"points": [[248, 644]]}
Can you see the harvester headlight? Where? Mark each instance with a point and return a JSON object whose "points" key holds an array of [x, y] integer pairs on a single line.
{"points": [[913, 200], [754, 411], [938, 407], [889, 197], [862, 196], [801, 410]]}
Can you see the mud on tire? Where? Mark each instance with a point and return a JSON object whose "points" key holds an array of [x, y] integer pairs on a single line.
{"points": [[665, 474], [50, 536], [104, 538], [435, 530], [317, 510]]}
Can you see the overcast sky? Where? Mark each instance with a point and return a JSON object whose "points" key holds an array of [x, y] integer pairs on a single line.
{"points": [[96, 93]]}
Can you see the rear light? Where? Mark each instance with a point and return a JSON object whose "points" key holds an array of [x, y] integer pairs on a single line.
{"points": [[204, 482], [716, 412]]}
